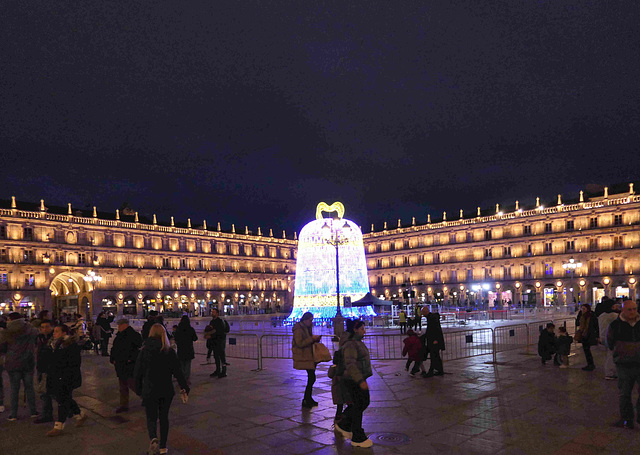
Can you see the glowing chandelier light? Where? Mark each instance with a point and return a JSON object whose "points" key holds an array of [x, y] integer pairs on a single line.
{"points": [[316, 288]]}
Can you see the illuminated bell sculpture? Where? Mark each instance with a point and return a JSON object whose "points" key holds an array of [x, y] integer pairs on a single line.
{"points": [[315, 285]]}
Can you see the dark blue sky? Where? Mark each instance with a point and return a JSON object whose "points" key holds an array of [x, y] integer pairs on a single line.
{"points": [[253, 112]]}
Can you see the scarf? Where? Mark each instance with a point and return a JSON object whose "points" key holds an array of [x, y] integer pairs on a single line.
{"points": [[585, 318]]}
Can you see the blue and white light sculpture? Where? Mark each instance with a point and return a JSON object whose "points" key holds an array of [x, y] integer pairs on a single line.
{"points": [[316, 287]]}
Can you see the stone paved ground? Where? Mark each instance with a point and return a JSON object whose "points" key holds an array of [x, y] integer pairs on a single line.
{"points": [[514, 407]]}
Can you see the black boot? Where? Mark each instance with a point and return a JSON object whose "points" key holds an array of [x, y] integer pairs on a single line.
{"points": [[214, 374], [223, 373]]}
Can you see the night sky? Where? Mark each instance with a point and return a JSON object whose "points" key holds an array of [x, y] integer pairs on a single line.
{"points": [[251, 112]]}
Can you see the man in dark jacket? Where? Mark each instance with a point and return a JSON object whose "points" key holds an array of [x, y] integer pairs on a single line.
{"points": [[218, 334], [106, 331], [547, 344], [623, 338], [19, 340], [151, 319], [433, 340], [124, 354], [42, 366]]}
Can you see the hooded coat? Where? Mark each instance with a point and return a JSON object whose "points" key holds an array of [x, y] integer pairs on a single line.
{"points": [[19, 340], [63, 374], [302, 348], [184, 337], [124, 352]]}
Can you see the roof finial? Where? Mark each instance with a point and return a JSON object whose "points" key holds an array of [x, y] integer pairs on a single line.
{"points": [[478, 211], [413, 221], [399, 225], [137, 219], [204, 224], [630, 188], [218, 226], [42, 205], [172, 222], [259, 231], [606, 192], [559, 199], [517, 206], [461, 215], [189, 223], [95, 213], [581, 196], [428, 218], [295, 235], [284, 234], [246, 230], [233, 228], [371, 227], [13, 202], [497, 208], [117, 212], [270, 232], [537, 202], [155, 220], [385, 225], [69, 208], [444, 216]]}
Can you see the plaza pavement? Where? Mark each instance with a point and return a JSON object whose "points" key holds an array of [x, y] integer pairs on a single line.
{"points": [[516, 406]]}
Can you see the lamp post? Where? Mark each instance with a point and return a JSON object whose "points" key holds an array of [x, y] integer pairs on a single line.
{"points": [[572, 265], [334, 236], [93, 278]]}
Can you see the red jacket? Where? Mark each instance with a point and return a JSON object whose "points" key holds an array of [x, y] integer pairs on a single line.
{"points": [[412, 346]]}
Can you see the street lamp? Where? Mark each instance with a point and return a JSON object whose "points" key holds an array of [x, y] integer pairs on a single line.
{"points": [[335, 236], [93, 278], [572, 265]]}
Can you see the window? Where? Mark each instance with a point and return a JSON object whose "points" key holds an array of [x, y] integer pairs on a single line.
{"points": [[3, 255], [28, 256], [469, 237], [506, 251], [570, 225], [29, 279], [60, 257], [617, 241], [488, 274], [529, 250], [436, 240], [130, 281], [183, 263], [487, 234], [379, 280], [378, 263], [454, 276], [183, 283], [617, 220], [593, 222], [110, 280], [148, 281], [548, 247], [200, 264], [3, 278], [526, 271], [406, 244], [3, 232], [548, 227], [82, 259], [571, 245], [469, 274], [166, 282], [618, 266], [593, 244], [392, 246], [548, 270], [487, 253], [527, 229], [436, 277], [393, 279], [436, 258], [28, 233], [452, 238], [506, 272], [406, 260], [166, 263]]}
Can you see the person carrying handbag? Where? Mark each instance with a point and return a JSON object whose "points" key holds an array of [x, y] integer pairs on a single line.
{"points": [[302, 350]]}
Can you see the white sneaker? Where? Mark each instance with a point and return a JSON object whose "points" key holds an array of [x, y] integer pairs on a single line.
{"points": [[366, 443], [344, 433], [564, 366], [1, 408]]}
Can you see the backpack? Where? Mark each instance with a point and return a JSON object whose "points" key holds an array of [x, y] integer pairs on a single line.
{"points": [[338, 361], [226, 326]]}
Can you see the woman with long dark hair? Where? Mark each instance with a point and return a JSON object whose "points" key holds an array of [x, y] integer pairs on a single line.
{"points": [[184, 337], [302, 349], [157, 364], [64, 375], [587, 333], [357, 370]]}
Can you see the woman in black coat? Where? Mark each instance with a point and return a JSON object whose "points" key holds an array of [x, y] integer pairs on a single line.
{"points": [[156, 366], [63, 376], [184, 337], [587, 333]]}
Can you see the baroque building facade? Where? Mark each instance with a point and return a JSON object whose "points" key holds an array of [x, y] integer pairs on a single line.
{"points": [[73, 261], [521, 256]]}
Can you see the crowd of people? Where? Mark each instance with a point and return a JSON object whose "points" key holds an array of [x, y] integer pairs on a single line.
{"points": [[44, 358]]}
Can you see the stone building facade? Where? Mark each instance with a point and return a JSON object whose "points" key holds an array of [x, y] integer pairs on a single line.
{"points": [[518, 255], [71, 261]]}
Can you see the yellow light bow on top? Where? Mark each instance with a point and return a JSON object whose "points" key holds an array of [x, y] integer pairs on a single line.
{"points": [[324, 207]]}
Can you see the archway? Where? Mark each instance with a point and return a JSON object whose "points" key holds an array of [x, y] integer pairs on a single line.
{"points": [[597, 292], [68, 289], [550, 295], [529, 296], [129, 305]]}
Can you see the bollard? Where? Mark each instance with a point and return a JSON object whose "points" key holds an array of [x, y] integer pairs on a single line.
{"points": [[495, 356]]}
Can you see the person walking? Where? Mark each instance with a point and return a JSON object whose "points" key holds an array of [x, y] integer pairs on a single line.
{"points": [[433, 340], [402, 321], [43, 362], [609, 313], [184, 337], [105, 331], [302, 349], [152, 318], [217, 332], [357, 370], [155, 368], [63, 376], [18, 340], [124, 353], [339, 394], [587, 333], [623, 339]]}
